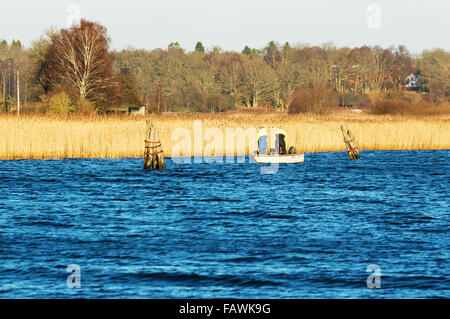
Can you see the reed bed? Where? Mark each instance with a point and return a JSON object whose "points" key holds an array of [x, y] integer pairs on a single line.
{"points": [[45, 137]]}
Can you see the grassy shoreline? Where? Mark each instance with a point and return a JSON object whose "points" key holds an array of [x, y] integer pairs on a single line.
{"points": [[46, 137]]}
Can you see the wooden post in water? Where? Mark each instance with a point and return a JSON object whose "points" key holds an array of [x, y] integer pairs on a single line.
{"points": [[153, 156], [349, 140]]}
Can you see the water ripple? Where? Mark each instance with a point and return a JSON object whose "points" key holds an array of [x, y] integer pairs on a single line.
{"points": [[225, 230]]}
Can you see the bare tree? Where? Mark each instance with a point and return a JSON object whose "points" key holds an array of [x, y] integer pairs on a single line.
{"points": [[78, 58], [290, 81], [434, 68], [272, 54], [260, 82], [230, 74], [6, 68], [364, 65], [402, 66]]}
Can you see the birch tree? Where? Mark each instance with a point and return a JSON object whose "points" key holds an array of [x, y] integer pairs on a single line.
{"points": [[78, 58]]}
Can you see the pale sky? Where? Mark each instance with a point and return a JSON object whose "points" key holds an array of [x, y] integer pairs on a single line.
{"points": [[232, 24]]}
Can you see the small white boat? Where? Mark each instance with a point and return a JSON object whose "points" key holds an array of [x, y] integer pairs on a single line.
{"points": [[279, 159]]}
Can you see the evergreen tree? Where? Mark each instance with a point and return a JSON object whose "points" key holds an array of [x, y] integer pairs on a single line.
{"points": [[199, 47], [16, 44], [249, 51]]}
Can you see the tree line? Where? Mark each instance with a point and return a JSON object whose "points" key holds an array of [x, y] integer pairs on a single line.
{"points": [[75, 68]]}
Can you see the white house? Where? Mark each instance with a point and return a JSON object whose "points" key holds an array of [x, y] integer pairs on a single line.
{"points": [[411, 81], [137, 110]]}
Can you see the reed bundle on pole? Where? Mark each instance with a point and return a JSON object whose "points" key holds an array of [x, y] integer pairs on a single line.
{"points": [[349, 141], [153, 155]]}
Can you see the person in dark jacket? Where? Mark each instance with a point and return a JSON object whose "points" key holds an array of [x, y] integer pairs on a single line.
{"points": [[280, 141]]}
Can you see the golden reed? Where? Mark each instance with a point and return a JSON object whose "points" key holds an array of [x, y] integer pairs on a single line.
{"points": [[46, 137]]}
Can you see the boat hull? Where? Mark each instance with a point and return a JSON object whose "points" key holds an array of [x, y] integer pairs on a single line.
{"points": [[279, 159]]}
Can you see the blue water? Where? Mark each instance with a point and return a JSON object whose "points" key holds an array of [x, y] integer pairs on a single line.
{"points": [[226, 231]]}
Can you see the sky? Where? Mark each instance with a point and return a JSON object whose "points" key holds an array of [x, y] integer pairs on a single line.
{"points": [[233, 24]]}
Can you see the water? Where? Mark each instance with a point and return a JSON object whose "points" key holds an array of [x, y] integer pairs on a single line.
{"points": [[225, 230]]}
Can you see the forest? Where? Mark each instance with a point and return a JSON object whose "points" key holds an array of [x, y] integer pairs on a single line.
{"points": [[74, 70]]}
